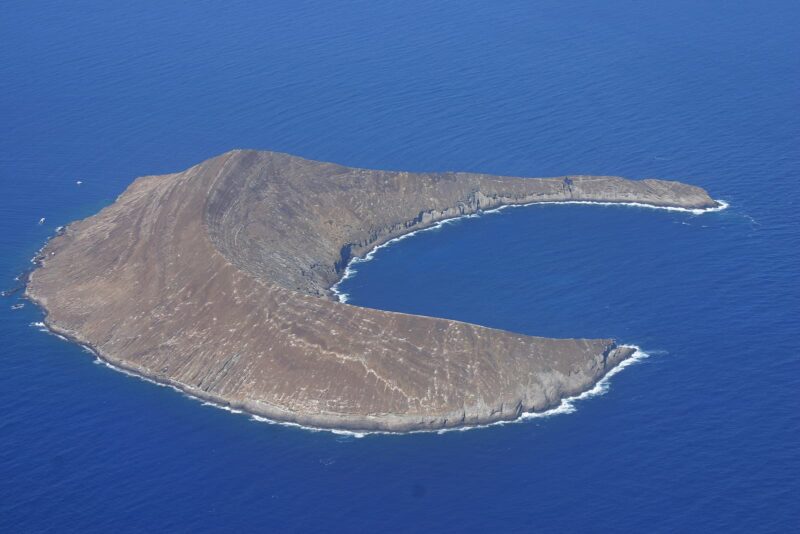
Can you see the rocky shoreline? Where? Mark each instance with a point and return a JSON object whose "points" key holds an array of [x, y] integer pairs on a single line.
{"points": [[351, 424], [216, 281]]}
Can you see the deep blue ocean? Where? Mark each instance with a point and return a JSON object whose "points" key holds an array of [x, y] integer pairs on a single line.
{"points": [[704, 435]]}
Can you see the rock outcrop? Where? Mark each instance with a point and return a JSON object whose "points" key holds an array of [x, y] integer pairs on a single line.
{"points": [[216, 280]]}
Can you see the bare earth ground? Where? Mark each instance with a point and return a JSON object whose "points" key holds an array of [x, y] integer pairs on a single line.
{"points": [[216, 280]]}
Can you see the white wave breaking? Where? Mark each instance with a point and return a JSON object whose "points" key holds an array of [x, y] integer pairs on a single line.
{"points": [[350, 271], [721, 205], [98, 360], [602, 386], [567, 404], [335, 431]]}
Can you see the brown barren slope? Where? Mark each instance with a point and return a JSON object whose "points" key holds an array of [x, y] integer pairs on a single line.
{"points": [[216, 280]]}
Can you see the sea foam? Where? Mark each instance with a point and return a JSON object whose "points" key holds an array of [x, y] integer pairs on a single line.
{"points": [[350, 271], [566, 406]]}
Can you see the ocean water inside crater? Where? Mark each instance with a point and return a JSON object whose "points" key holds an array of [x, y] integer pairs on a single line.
{"points": [[701, 435]]}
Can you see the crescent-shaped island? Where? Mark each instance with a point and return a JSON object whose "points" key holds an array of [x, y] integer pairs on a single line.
{"points": [[217, 280]]}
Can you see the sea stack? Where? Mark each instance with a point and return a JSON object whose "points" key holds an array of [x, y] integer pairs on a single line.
{"points": [[217, 280]]}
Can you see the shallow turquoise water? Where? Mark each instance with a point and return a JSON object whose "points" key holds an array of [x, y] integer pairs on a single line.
{"points": [[702, 435]]}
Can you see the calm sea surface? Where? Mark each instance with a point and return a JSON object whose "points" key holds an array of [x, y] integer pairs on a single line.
{"points": [[704, 435]]}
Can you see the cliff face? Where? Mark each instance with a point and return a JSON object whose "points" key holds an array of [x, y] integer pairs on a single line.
{"points": [[216, 280]]}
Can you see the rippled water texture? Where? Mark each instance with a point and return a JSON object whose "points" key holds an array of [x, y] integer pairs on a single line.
{"points": [[702, 435]]}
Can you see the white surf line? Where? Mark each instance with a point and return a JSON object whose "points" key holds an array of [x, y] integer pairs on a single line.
{"points": [[350, 271], [98, 360], [721, 205], [566, 406]]}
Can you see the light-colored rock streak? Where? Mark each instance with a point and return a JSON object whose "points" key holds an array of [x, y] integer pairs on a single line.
{"points": [[216, 280]]}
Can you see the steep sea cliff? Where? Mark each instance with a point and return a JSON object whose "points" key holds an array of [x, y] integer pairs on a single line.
{"points": [[212, 281]]}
